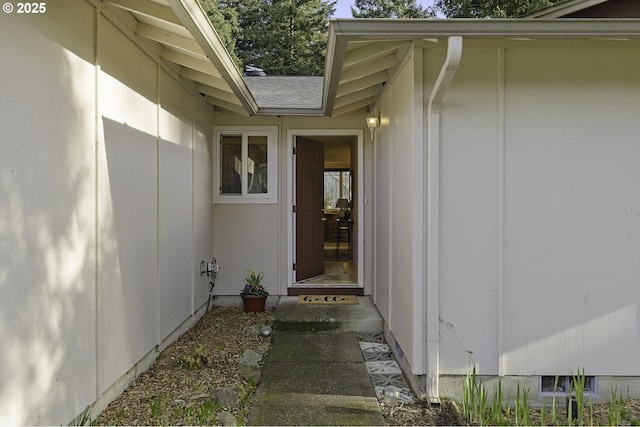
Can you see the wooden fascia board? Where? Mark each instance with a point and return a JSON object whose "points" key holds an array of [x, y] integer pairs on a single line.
{"points": [[336, 49], [198, 24], [300, 112]]}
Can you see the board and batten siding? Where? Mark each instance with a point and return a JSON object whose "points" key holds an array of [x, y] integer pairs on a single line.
{"points": [[399, 209], [105, 210], [540, 210]]}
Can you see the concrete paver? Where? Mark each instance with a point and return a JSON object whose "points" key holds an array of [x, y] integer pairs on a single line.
{"points": [[316, 377]]}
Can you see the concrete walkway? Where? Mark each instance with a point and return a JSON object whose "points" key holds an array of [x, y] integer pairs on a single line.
{"points": [[315, 372]]}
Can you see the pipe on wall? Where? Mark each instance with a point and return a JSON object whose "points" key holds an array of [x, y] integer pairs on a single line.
{"points": [[447, 72]]}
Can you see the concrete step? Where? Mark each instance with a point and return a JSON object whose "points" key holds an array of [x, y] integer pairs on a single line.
{"points": [[361, 317]]}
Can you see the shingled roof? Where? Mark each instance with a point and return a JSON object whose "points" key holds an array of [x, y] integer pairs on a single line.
{"points": [[286, 92]]}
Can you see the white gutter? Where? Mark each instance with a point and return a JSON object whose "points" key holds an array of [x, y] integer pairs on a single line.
{"points": [[449, 68]]}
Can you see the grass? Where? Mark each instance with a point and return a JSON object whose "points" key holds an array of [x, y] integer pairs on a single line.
{"points": [[479, 410]]}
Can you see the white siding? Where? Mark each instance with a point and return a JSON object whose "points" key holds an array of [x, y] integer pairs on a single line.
{"points": [[176, 272], [468, 234], [399, 209], [572, 210], [97, 248], [202, 202], [540, 228], [47, 216], [127, 205], [382, 180]]}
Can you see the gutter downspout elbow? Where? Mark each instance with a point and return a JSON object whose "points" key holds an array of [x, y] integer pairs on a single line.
{"points": [[447, 72]]}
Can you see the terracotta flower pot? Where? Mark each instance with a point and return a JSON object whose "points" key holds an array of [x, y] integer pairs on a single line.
{"points": [[254, 303]]}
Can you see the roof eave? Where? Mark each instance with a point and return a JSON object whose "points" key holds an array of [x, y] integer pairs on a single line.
{"points": [[307, 112], [376, 29], [563, 8], [198, 24], [343, 31], [336, 48]]}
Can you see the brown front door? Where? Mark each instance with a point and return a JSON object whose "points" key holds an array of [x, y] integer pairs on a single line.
{"points": [[309, 208]]}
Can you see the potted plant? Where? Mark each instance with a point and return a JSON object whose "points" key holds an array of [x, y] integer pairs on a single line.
{"points": [[254, 294]]}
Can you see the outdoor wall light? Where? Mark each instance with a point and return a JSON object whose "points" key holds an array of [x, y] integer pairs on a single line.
{"points": [[372, 123]]}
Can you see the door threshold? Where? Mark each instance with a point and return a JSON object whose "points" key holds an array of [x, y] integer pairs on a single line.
{"points": [[324, 290]]}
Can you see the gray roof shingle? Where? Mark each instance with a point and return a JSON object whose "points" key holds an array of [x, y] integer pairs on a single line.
{"points": [[286, 92]]}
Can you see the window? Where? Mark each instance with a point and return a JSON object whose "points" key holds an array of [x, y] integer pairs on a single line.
{"points": [[247, 165], [337, 185], [561, 384]]}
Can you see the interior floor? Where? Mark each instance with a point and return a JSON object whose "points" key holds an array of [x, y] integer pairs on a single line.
{"points": [[336, 272], [339, 267]]}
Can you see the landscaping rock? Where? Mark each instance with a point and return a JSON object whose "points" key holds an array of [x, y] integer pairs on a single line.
{"points": [[227, 397], [252, 330], [250, 358], [227, 419], [250, 374], [263, 348]]}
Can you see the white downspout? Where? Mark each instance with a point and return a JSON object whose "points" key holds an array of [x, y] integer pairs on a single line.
{"points": [[448, 70]]}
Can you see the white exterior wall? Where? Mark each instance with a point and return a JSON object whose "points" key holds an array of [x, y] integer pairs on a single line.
{"points": [[399, 211], [468, 219], [105, 210], [540, 228]]}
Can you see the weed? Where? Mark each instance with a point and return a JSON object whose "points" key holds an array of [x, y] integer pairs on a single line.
{"points": [[578, 382], [158, 407], [207, 413], [84, 419], [496, 415], [521, 407], [471, 390], [190, 363], [119, 413]]}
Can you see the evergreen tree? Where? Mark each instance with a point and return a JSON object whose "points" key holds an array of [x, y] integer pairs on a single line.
{"points": [[225, 22], [390, 9], [283, 37], [489, 8]]}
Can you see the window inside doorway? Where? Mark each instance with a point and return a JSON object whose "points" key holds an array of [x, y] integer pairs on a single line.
{"points": [[337, 185]]}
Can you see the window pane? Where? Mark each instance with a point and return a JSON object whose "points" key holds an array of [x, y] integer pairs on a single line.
{"points": [[337, 185], [257, 164], [331, 188], [231, 165]]}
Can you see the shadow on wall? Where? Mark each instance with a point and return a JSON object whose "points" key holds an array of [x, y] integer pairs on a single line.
{"points": [[128, 224], [47, 225]]}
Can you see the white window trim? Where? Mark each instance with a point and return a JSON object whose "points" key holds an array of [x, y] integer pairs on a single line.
{"points": [[271, 196]]}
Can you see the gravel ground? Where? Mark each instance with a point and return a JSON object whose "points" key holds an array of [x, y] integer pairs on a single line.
{"points": [[178, 388]]}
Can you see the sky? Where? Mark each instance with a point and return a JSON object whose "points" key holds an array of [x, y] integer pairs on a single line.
{"points": [[343, 8]]}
